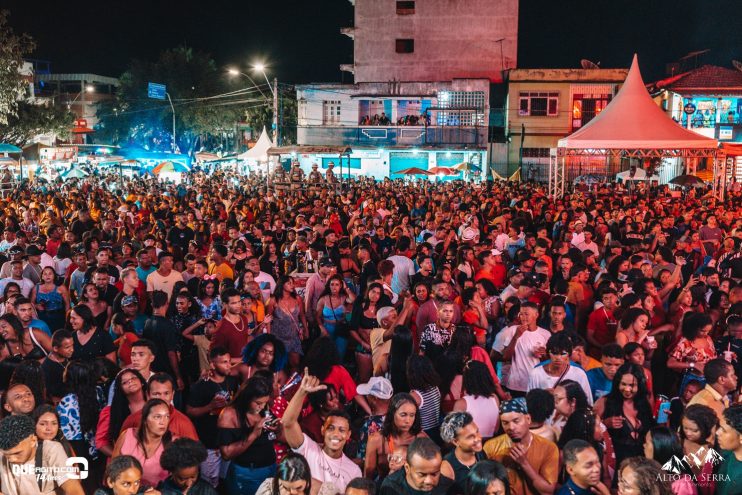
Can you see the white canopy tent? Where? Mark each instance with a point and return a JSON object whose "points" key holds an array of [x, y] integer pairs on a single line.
{"points": [[633, 126], [259, 152]]}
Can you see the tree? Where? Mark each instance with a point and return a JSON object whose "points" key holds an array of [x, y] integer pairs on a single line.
{"points": [[262, 116], [31, 119], [200, 95], [12, 84]]}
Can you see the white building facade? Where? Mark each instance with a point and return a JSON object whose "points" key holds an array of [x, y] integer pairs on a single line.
{"points": [[423, 74]]}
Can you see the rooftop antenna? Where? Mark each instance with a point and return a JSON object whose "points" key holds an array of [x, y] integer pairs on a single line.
{"points": [[694, 57], [589, 64]]}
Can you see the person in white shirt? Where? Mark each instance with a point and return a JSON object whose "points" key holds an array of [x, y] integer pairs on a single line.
{"points": [[16, 275], [524, 345], [558, 368], [266, 282], [328, 463], [578, 236], [587, 244], [404, 267]]}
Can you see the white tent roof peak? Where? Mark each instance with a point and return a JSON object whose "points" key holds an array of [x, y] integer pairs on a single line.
{"points": [[259, 152], [632, 120]]}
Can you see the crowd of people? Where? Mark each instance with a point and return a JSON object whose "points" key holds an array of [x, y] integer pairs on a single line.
{"points": [[370, 337]]}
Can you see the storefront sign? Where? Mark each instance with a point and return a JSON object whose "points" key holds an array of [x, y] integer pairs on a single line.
{"points": [[52, 154], [689, 108], [726, 132]]}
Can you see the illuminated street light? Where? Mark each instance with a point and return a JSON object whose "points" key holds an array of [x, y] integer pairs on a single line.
{"points": [[88, 89], [261, 68], [234, 72]]}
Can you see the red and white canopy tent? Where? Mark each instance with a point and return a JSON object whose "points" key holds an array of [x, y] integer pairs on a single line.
{"points": [[633, 126]]}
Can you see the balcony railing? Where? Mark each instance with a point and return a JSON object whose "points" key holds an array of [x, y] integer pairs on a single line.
{"points": [[392, 135]]}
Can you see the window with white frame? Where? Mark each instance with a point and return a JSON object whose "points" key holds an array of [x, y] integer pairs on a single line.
{"points": [[330, 112], [460, 108], [538, 104]]}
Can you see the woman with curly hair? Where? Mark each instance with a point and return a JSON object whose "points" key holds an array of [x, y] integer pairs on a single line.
{"points": [[208, 298], [642, 475], [182, 459], [401, 426], [264, 352]]}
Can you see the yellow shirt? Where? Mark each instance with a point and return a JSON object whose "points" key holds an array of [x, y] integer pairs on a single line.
{"points": [[542, 454], [711, 398], [223, 271]]}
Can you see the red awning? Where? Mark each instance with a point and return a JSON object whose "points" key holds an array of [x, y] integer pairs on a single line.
{"points": [[82, 130]]}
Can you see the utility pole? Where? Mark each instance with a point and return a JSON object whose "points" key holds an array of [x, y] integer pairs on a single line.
{"points": [[275, 111], [173, 109]]}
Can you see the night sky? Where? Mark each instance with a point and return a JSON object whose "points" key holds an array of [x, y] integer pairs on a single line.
{"points": [[301, 40]]}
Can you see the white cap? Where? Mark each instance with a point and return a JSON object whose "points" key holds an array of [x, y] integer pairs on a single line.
{"points": [[469, 234], [378, 386], [496, 252]]}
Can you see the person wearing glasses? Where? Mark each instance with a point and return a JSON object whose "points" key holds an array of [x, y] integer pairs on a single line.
{"points": [[559, 368]]}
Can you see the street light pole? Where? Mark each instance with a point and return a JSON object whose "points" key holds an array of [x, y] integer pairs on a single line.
{"points": [[173, 109], [275, 111]]}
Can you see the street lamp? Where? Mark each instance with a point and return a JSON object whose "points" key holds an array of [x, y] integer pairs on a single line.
{"points": [[88, 89], [261, 68], [234, 72]]}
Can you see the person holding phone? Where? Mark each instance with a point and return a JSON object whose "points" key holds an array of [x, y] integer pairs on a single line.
{"points": [[244, 437]]}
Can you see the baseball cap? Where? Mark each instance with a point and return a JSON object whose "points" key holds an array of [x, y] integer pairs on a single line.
{"points": [[378, 386], [469, 234], [326, 261], [496, 252], [127, 300]]}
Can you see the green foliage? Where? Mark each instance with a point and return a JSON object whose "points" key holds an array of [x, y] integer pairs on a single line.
{"points": [[12, 85], [31, 119], [192, 80]]}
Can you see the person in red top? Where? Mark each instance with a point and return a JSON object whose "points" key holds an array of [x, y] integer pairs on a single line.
{"points": [[601, 324], [233, 331], [162, 386], [54, 235], [492, 268], [474, 314]]}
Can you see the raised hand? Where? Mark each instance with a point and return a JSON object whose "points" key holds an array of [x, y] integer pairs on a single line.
{"points": [[311, 384]]}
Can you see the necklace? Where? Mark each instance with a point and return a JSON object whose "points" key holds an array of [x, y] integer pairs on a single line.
{"points": [[240, 328]]}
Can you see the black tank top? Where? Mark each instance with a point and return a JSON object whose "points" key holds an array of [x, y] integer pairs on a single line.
{"points": [[460, 471]]}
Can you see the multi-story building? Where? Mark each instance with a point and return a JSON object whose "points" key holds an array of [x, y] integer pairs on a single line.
{"points": [[423, 73], [707, 100], [545, 105], [80, 92]]}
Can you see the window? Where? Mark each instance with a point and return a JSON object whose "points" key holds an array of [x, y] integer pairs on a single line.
{"points": [[537, 104], [535, 152], [331, 112], [405, 8], [460, 108], [585, 107], [405, 46]]}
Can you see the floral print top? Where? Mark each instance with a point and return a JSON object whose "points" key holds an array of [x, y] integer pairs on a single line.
{"points": [[684, 350]]}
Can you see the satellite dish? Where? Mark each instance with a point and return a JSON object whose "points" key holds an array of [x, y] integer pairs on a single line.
{"points": [[588, 64], [737, 64]]}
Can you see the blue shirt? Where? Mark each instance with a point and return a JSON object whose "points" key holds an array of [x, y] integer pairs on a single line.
{"points": [[600, 385], [41, 325], [142, 273], [569, 488]]}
